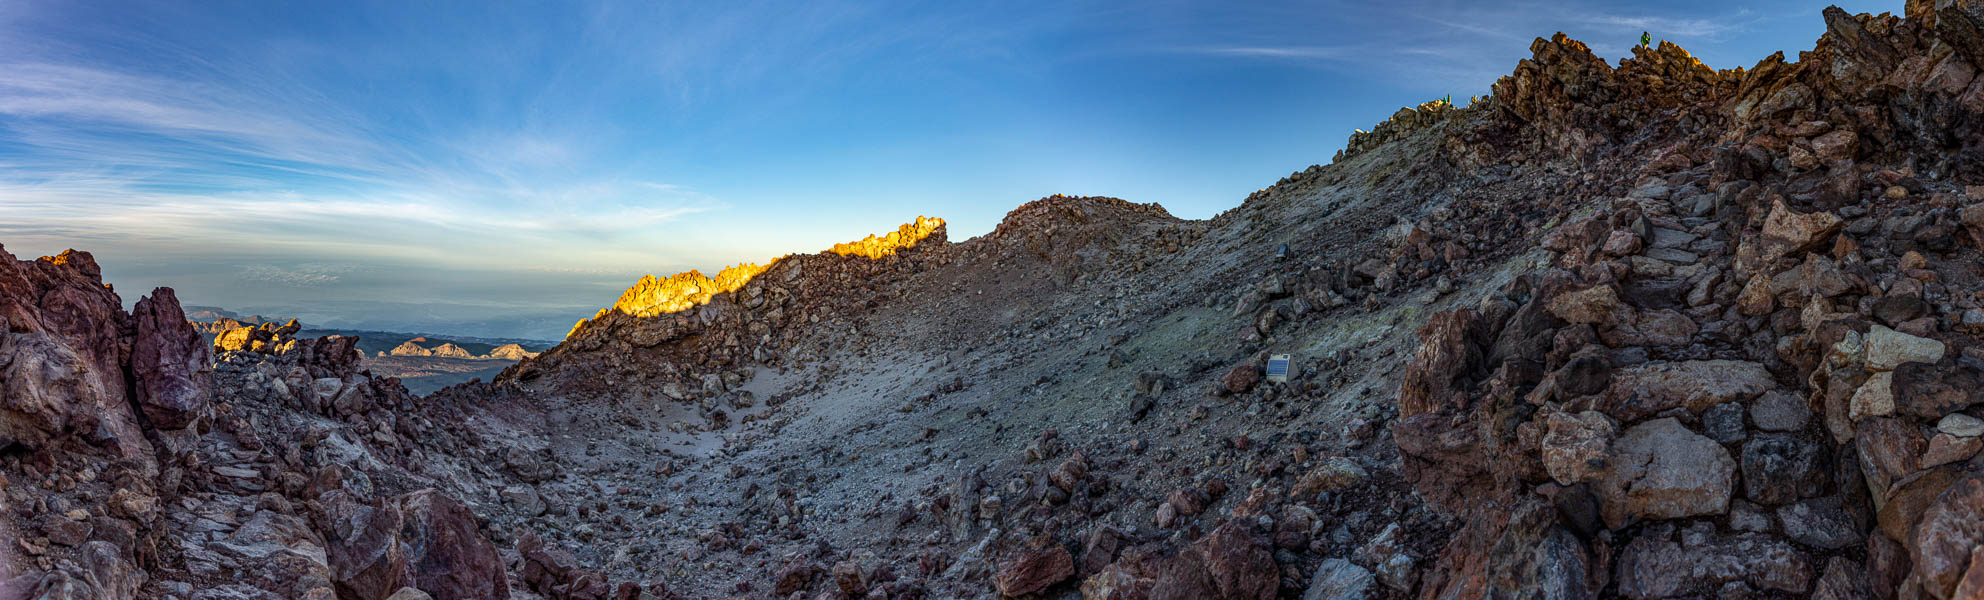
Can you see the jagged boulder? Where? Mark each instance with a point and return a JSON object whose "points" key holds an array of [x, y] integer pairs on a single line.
{"points": [[62, 364], [169, 363], [423, 539], [1945, 546], [1040, 564]]}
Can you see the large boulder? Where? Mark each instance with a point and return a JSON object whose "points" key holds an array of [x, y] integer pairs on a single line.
{"points": [[1039, 564], [104, 574], [447, 554], [423, 539], [1661, 470], [63, 335], [1447, 351], [1946, 542], [45, 390], [170, 363], [279, 553], [1239, 563]]}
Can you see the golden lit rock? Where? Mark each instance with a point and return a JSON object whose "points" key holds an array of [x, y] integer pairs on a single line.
{"points": [[652, 296]]}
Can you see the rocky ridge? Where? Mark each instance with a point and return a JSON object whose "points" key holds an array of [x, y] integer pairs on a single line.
{"points": [[1730, 350]]}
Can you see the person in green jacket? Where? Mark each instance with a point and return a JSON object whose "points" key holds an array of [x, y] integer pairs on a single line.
{"points": [[1645, 39]]}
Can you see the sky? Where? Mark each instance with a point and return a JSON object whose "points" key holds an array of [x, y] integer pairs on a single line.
{"points": [[502, 169]]}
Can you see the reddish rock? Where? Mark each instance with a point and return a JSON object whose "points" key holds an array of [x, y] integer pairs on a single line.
{"points": [[1597, 306], [1239, 563], [796, 576], [1188, 501], [447, 555], [1835, 145], [1909, 498], [1800, 232], [850, 579], [1622, 243], [1929, 391], [1446, 351], [1755, 299], [423, 539], [1038, 565], [1946, 448], [1575, 446], [1070, 472], [1099, 551], [362, 546], [1943, 542], [62, 368], [1889, 450], [1232, 563], [169, 363], [1240, 379]]}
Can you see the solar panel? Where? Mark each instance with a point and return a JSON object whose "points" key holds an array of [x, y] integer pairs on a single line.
{"points": [[1278, 368]]}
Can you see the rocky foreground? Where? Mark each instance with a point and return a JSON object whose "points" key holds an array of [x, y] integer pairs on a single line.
{"points": [[1652, 331]]}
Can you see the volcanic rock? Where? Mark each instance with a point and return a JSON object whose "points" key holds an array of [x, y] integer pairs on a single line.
{"points": [[1648, 389], [1664, 563], [169, 362], [1661, 470], [1887, 348], [1040, 564], [1576, 448]]}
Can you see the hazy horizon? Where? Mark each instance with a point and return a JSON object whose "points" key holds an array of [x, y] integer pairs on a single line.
{"points": [[503, 171]]}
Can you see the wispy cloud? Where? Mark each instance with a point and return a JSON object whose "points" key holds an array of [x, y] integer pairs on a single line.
{"points": [[1712, 27], [305, 275], [1299, 52]]}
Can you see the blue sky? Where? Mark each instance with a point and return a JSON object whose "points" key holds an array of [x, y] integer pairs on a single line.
{"points": [[470, 167]]}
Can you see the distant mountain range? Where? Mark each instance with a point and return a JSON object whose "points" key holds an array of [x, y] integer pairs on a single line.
{"points": [[210, 319], [446, 349]]}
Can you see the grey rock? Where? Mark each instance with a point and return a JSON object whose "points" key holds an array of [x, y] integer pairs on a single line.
{"points": [[1339, 579], [1781, 468], [1661, 470], [1724, 422], [1745, 516], [1780, 410], [1820, 523], [1671, 238], [524, 499], [1844, 579], [1673, 255], [1961, 425], [1663, 563]]}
